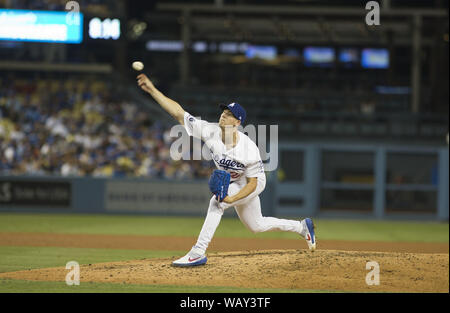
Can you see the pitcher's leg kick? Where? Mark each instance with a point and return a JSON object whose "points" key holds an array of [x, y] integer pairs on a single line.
{"points": [[249, 212]]}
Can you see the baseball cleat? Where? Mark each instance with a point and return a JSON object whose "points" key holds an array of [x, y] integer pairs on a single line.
{"points": [[309, 234], [193, 258]]}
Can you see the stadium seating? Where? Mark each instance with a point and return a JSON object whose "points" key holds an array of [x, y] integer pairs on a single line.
{"points": [[79, 127]]}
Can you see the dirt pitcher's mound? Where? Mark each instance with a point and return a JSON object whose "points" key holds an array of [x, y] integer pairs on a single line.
{"points": [[292, 269]]}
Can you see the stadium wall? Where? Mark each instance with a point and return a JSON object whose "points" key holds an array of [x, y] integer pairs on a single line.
{"points": [[327, 180]]}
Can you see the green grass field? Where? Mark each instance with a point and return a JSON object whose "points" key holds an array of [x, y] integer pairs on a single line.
{"points": [[24, 258], [229, 227]]}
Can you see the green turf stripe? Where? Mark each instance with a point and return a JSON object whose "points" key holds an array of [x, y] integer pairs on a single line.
{"points": [[24, 258], [22, 286], [357, 230]]}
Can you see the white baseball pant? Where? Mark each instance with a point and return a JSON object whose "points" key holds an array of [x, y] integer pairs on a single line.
{"points": [[249, 212]]}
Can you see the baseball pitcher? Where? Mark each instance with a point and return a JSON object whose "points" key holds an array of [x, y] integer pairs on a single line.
{"points": [[238, 180]]}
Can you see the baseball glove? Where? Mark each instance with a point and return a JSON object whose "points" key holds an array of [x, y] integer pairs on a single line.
{"points": [[218, 184]]}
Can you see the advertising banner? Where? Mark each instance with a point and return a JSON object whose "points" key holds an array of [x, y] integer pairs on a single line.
{"points": [[35, 193], [157, 197]]}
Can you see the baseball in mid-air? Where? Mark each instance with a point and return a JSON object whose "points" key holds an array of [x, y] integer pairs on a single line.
{"points": [[138, 66]]}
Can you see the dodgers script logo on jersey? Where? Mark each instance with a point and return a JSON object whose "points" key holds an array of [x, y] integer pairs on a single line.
{"points": [[230, 166], [234, 166]]}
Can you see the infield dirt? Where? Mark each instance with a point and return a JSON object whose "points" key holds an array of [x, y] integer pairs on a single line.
{"points": [[335, 266]]}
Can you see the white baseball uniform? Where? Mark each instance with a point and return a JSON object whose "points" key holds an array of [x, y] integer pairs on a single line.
{"points": [[241, 161]]}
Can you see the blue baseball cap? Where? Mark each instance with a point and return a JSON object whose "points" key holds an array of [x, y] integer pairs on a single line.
{"points": [[237, 110]]}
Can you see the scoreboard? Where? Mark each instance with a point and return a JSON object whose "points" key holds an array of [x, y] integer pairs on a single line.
{"points": [[56, 26], [41, 26]]}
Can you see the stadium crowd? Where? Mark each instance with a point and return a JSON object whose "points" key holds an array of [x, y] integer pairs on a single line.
{"points": [[80, 128]]}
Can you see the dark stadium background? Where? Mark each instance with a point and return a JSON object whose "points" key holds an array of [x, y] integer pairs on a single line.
{"points": [[356, 118], [353, 141]]}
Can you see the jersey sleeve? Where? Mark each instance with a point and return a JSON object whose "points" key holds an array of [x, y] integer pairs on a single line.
{"points": [[194, 126]]}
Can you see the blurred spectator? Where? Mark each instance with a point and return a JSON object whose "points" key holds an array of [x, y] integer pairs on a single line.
{"points": [[79, 128], [368, 107]]}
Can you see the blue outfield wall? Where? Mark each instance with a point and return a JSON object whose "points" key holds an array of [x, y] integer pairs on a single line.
{"points": [[305, 196], [403, 171], [103, 195]]}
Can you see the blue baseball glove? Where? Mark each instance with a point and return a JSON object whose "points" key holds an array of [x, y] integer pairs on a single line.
{"points": [[218, 184]]}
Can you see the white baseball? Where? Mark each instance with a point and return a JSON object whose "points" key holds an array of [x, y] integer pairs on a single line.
{"points": [[138, 66]]}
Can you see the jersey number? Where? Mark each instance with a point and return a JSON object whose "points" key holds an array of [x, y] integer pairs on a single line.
{"points": [[234, 175]]}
